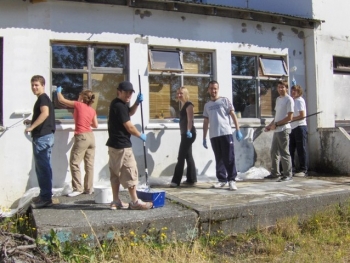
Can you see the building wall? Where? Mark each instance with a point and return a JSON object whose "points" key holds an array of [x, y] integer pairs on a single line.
{"points": [[27, 30], [301, 8]]}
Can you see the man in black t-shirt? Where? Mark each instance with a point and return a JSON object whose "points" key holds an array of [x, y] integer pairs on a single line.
{"points": [[122, 163], [42, 128]]}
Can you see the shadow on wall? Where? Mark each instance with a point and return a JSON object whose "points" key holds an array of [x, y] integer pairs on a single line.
{"points": [[152, 144], [59, 164]]}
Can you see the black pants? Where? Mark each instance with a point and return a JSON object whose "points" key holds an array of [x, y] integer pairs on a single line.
{"points": [[185, 153], [224, 152]]}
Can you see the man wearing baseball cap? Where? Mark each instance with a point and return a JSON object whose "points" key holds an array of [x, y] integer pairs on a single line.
{"points": [[122, 163]]}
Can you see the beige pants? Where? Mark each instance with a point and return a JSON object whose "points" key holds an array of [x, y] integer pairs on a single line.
{"points": [[122, 167], [83, 148]]}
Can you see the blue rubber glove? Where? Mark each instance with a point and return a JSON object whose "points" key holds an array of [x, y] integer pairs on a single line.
{"points": [[294, 82], [205, 144], [239, 135], [176, 120], [189, 134], [139, 98], [143, 137], [59, 89]]}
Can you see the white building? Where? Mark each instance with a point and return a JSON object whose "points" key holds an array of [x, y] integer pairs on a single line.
{"points": [[96, 44]]}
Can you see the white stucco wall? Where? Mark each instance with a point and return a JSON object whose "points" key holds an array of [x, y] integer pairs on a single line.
{"points": [[27, 30]]}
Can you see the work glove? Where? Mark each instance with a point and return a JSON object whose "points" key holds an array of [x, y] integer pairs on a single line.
{"points": [[239, 135], [59, 89], [143, 137], [189, 134], [176, 120], [139, 98], [205, 144]]}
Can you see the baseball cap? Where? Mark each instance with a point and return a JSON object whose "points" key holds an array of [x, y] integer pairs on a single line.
{"points": [[126, 86]]}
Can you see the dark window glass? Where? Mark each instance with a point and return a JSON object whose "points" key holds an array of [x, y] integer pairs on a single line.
{"points": [[69, 57], [243, 97], [243, 65], [108, 57]]}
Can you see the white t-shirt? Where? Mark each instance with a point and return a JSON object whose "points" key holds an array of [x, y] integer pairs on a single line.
{"points": [[218, 113], [283, 106], [299, 105]]}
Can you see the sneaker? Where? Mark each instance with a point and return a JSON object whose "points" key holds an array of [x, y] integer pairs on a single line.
{"points": [[300, 174], [270, 176], [232, 185], [172, 185], [74, 193], [88, 192], [118, 205], [36, 199], [285, 178], [140, 205], [189, 183], [220, 185], [39, 203]]}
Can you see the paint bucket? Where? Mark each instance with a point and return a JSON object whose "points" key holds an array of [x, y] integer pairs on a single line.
{"points": [[157, 197], [103, 194]]}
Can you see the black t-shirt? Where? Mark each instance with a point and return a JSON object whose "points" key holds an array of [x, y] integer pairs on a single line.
{"points": [[184, 120], [119, 137], [48, 126]]}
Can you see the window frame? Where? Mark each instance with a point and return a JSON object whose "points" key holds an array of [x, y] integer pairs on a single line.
{"points": [[153, 63], [1, 80], [258, 77], [90, 68], [263, 67], [180, 73]]}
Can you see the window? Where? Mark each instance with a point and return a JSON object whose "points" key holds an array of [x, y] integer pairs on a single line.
{"points": [[341, 65], [197, 72], [254, 81], [166, 60], [1, 87], [78, 67]]}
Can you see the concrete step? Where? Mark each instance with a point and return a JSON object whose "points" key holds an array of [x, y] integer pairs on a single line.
{"points": [[193, 211]]}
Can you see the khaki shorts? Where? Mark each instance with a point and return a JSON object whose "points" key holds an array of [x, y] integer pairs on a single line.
{"points": [[122, 167]]}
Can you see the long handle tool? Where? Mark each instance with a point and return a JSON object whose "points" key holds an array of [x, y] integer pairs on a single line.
{"points": [[143, 131]]}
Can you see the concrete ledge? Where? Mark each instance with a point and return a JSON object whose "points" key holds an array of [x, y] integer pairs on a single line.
{"points": [[193, 211], [73, 217]]}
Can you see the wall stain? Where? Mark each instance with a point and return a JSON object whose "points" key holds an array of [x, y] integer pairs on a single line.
{"points": [[295, 31], [183, 18], [294, 51], [301, 35], [259, 28], [244, 30], [280, 36], [146, 13], [244, 24], [273, 28]]}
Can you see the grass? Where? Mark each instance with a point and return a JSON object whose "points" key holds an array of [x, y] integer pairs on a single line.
{"points": [[324, 237]]}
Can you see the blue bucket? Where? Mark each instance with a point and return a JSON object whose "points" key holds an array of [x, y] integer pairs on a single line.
{"points": [[156, 197]]}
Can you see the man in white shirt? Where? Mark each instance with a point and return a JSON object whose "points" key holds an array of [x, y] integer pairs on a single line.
{"points": [[280, 142]]}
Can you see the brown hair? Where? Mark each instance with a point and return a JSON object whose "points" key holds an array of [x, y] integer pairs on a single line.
{"points": [[38, 78], [298, 89], [87, 96], [283, 83]]}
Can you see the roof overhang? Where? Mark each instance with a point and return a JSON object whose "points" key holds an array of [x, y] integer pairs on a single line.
{"points": [[192, 7]]}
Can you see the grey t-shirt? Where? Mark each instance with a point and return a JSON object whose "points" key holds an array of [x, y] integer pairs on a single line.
{"points": [[283, 106], [218, 113]]}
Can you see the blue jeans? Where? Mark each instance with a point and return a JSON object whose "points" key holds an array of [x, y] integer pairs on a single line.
{"points": [[42, 148], [298, 141]]}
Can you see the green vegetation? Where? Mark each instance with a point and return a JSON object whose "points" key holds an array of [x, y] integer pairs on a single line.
{"points": [[325, 237]]}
